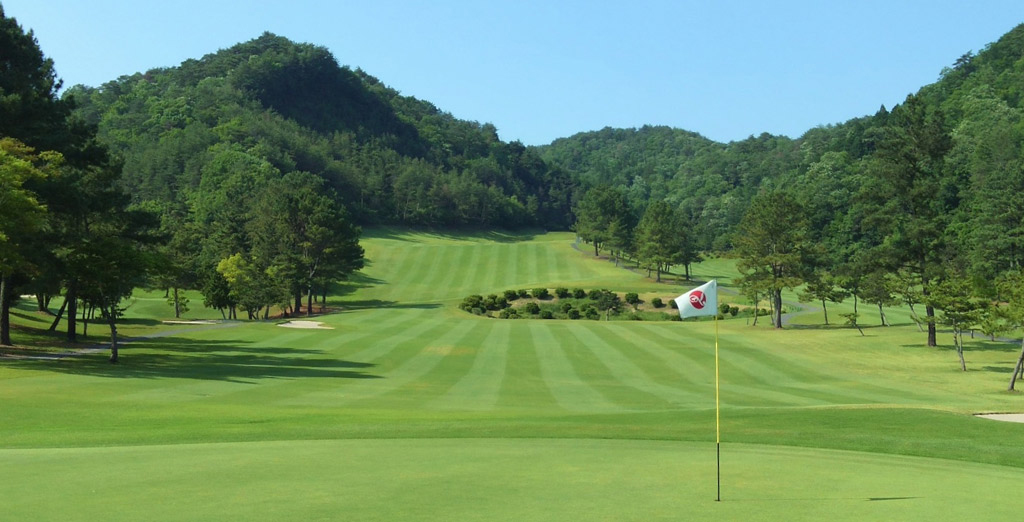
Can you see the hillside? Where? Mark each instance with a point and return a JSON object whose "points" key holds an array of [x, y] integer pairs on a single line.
{"points": [[393, 158], [978, 100]]}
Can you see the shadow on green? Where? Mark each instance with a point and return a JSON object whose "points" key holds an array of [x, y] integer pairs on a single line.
{"points": [[182, 358]]}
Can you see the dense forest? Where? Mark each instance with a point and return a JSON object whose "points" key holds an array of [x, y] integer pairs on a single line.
{"points": [[290, 107], [248, 172]]}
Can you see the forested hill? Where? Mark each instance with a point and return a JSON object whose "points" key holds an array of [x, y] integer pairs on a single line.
{"points": [[276, 105], [978, 100]]}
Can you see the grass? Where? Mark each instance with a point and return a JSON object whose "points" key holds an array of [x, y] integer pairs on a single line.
{"points": [[412, 409]]}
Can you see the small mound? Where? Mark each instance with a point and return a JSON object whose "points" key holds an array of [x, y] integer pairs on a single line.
{"points": [[1005, 417], [306, 324], [197, 321]]}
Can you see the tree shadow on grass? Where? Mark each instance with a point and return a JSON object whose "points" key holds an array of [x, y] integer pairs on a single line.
{"points": [[1000, 369], [182, 358], [356, 281], [412, 235], [369, 304]]}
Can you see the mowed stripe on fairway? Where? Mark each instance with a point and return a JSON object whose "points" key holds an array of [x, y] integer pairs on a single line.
{"points": [[416, 271], [480, 388]]}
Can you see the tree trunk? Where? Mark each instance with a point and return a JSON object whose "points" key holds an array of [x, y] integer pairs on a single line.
{"points": [[756, 302], [309, 301], [1017, 369], [777, 298], [881, 313], [595, 249], [5, 310], [824, 309], [113, 336], [659, 273], [917, 320], [958, 340], [42, 302], [85, 321], [177, 304], [60, 313], [298, 301], [72, 300], [929, 313]]}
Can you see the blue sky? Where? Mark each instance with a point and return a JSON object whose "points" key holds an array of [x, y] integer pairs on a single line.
{"points": [[541, 70]]}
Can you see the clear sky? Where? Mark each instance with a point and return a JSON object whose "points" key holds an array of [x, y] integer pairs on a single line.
{"points": [[541, 70]]}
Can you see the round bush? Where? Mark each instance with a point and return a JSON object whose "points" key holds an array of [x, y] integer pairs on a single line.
{"points": [[511, 295], [573, 314], [579, 293], [540, 293], [723, 308], [633, 298], [532, 308], [672, 304], [595, 294], [734, 310], [657, 303], [546, 314], [494, 302], [471, 302], [565, 307], [562, 292], [509, 313], [524, 293]]}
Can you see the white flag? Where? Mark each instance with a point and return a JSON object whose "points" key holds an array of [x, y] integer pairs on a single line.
{"points": [[702, 300]]}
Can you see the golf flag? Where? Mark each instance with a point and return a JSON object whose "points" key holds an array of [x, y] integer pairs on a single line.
{"points": [[700, 301]]}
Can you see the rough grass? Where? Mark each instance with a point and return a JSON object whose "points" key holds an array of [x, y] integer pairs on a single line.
{"points": [[413, 409]]}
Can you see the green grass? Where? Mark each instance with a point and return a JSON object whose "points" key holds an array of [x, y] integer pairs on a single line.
{"points": [[413, 409]]}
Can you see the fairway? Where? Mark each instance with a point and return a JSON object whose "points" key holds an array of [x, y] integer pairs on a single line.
{"points": [[411, 409]]}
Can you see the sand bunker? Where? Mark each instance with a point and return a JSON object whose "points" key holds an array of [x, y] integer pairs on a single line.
{"points": [[306, 324], [1005, 417]]}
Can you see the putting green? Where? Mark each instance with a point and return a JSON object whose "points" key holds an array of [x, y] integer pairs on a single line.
{"points": [[494, 479]]}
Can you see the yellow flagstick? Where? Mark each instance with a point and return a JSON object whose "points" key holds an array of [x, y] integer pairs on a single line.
{"points": [[718, 430]]}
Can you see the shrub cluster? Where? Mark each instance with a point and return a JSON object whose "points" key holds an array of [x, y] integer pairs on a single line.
{"points": [[576, 304]]}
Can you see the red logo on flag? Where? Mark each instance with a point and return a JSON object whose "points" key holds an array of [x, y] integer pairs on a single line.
{"points": [[697, 299]]}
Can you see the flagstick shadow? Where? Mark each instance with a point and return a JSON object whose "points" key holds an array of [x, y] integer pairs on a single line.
{"points": [[819, 499]]}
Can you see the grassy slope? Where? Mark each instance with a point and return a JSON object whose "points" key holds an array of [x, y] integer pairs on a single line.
{"points": [[404, 363]]}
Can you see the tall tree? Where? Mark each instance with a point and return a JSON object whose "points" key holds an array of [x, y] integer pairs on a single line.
{"points": [[30, 109], [21, 215], [772, 246], [602, 211], [662, 238], [912, 197], [316, 240]]}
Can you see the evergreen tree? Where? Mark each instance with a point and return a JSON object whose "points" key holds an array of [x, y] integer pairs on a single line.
{"points": [[772, 246]]}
